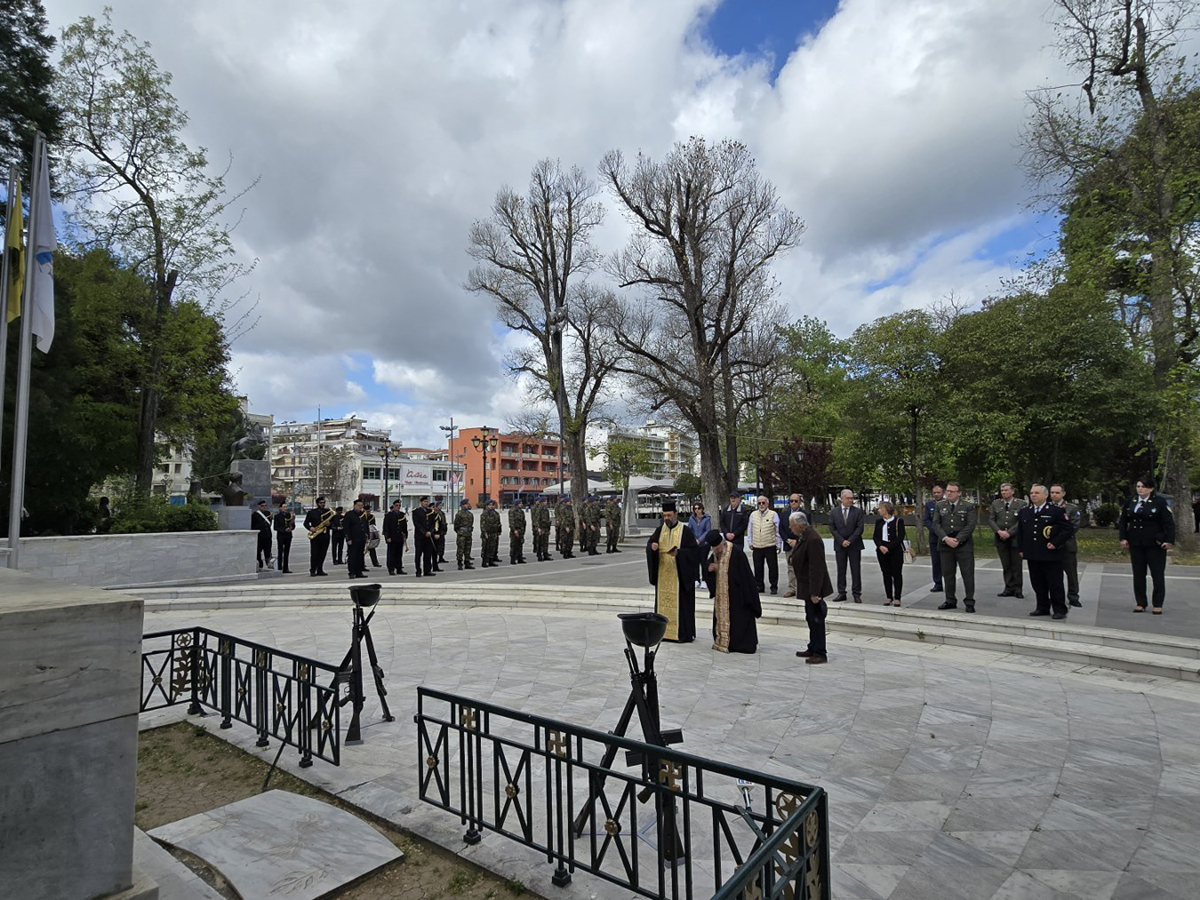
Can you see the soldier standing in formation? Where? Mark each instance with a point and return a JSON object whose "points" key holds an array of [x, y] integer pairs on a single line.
{"points": [[395, 535], [1147, 531], [1043, 531], [318, 545], [565, 518], [540, 522], [1058, 496], [516, 533], [464, 531], [489, 530], [337, 528], [558, 505], [954, 521], [593, 516], [1002, 516], [612, 524], [285, 524]]}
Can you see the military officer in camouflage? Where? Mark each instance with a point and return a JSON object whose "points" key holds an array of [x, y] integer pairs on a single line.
{"points": [[1058, 496], [594, 517], [516, 533], [464, 530], [1002, 516], [489, 531], [540, 521], [612, 525], [954, 521], [565, 518]]}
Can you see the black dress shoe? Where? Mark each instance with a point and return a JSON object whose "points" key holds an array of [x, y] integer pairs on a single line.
{"points": [[323, 574], [1076, 604], [816, 661], [804, 654], [949, 604], [970, 606], [1037, 613], [936, 589], [1006, 594], [391, 571], [468, 566], [401, 572], [1018, 595], [1059, 616], [840, 598]]}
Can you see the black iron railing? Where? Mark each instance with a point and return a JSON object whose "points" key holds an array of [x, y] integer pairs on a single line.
{"points": [[280, 695], [707, 829]]}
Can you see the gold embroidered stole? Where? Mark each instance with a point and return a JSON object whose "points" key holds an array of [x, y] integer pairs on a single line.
{"points": [[667, 595], [721, 603]]}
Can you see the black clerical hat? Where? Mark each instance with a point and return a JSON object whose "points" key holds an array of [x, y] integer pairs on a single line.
{"points": [[668, 506], [713, 538]]}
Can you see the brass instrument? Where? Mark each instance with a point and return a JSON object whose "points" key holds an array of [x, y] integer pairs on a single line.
{"points": [[323, 524]]}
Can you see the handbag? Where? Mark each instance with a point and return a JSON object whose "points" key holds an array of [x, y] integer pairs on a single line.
{"points": [[910, 555], [373, 538]]}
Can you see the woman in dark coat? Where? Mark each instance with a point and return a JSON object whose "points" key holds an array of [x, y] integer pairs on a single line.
{"points": [[1147, 531], [889, 550], [735, 596], [812, 585]]}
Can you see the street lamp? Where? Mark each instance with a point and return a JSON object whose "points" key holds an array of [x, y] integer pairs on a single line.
{"points": [[459, 460], [295, 469], [451, 429], [485, 441], [387, 453]]}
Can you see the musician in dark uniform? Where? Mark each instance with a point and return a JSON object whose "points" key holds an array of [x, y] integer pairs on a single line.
{"points": [[338, 529], [422, 518], [355, 523], [260, 521], [285, 524], [1147, 531], [1042, 534], [395, 533], [317, 519]]}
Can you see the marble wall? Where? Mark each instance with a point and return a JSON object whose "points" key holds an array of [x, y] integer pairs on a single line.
{"points": [[126, 560]]}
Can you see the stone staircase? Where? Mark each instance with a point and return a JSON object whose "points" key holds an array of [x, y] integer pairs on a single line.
{"points": [[1111, 648]]}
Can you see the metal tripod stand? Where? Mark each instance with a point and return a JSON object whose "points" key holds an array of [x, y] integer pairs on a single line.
{"points": [[351, 669]]}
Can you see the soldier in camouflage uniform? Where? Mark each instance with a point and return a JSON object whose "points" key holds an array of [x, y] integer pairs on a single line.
{"points": [[1003, 518], [594, 517], [556, 513], [489, 530], [565, 519], [439, 534], [612, 525], [954, 521], [540, 516], [516, 533], [1058, 496], [464, 529]]}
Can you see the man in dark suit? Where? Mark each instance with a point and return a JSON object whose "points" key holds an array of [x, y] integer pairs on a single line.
{"points": [[357, 531], [1042, 533], [846, 523], [422, 518], [812, 584], [735, 519], [930, 507]]}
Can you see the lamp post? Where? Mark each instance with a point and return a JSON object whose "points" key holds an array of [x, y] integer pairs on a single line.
{"points": [[451, 429], [295, 469], [459, 460], [485, 441], [387, 453]]}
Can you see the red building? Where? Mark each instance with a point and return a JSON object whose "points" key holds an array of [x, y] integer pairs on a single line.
{"points": [[519, 466]]}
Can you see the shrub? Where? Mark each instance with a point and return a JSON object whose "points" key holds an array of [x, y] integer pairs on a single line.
{"points": [[1106, 514], [154, 514]]}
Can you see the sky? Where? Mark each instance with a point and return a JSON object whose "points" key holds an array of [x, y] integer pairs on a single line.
{"points": [[381, 130]]}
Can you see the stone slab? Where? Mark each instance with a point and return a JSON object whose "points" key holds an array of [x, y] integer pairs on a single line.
{"points": [[175, 880], [282, 844]]}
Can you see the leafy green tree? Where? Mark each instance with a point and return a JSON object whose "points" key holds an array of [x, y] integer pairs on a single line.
{"points": [[145, 195], [688, 484], [811, 369], [26, 106], [624, 459]]}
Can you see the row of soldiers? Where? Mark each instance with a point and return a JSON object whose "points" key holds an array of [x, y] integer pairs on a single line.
{"points": [[564, 518]]}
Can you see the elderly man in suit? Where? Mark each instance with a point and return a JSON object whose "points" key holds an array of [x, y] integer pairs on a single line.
{"points": [[812, 583], [846, 522]]}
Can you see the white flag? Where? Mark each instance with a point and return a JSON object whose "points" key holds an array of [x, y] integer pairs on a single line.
{"points": [[43, 244]]}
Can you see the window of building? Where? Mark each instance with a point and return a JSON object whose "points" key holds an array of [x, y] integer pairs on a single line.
{"points": [[178, 468], [439, 474], [371, 472]]}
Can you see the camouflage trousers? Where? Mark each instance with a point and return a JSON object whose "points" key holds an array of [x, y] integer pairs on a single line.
{"points": [[491, 547], [462, 544], [541, 544]]}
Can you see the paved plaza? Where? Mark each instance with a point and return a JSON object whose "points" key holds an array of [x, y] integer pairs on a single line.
{"points": [[952, 772]]}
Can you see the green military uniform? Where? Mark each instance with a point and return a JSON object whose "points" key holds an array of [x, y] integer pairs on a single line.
{"points": [[1071, 556], [540, 516], [592, 517], [564, 516], [956, 520], [464, 530], [557, 525], [516, 534], [439, 534], [612, 524], [489, 530], [1002, 516]]}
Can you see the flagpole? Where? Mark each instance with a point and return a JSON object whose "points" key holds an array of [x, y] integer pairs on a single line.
{"points": [[4, 278], [24, 364]]}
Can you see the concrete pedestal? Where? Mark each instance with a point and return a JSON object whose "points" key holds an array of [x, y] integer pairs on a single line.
{"points": [[256, 480], [70, 661]]}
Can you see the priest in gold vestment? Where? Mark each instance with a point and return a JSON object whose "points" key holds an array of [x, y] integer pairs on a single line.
{"points": [[672, 555]]}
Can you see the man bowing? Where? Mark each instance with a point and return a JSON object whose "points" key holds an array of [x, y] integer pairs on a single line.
{"points": [[671, 556]]}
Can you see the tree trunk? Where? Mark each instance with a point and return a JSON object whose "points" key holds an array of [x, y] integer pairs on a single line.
{"points": [[732, 469], [152, 390], [575, 441], [712, 474]]}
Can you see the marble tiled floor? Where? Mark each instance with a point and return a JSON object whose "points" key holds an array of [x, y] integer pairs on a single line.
{"points": [[952, 773]]}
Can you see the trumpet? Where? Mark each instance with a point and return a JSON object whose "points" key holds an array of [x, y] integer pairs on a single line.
{"points": [[321, 526]]}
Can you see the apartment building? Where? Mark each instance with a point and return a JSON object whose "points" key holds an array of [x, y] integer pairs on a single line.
{"points": [[519, 466]]}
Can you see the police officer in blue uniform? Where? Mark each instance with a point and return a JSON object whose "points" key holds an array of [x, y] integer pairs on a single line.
{"points": [[1147, 531], [1042, 534]]}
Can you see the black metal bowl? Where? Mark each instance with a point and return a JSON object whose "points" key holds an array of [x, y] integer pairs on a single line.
{"points": [[365, 594], [643, 629]]}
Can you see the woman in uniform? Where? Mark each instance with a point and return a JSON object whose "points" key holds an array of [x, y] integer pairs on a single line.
{"points": [[1147, 531]]}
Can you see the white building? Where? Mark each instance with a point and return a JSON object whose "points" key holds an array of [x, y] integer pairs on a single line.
{"points": [[173, 475], [296, 448], [411, 477], [672, 452]]}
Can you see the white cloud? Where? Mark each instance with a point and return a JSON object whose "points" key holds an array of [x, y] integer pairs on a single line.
{"points": [[381, 130]]}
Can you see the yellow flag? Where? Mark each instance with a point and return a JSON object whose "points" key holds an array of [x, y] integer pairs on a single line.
{"points": [[16, 254]]}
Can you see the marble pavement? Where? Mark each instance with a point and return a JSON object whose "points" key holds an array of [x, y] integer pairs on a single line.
{"points": [[952, 772]]}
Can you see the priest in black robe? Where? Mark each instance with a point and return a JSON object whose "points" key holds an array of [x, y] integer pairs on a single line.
{"points": [[735, 596], [672, 555]]}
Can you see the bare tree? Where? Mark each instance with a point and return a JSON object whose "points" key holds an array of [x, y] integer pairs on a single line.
{"points": [[709, 227], [533, 253], [1119, 158]]}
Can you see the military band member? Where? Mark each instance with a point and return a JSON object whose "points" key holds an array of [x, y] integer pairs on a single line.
{"points": [[954, 521], [395, 535], [318, 546], [284, 524], [260, 521], [355, 523], [1147, 531], [422, 519], [372, 536], [489, 530], [540, 523], [1058, 496], [516, 533], [338, 529], [439, 535], [612, 525], [464, 532], [1043, 530], [566, 523], [1002, 516]]}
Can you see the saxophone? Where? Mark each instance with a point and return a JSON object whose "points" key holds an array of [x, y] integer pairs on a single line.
{"points": [[321, 526]]}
